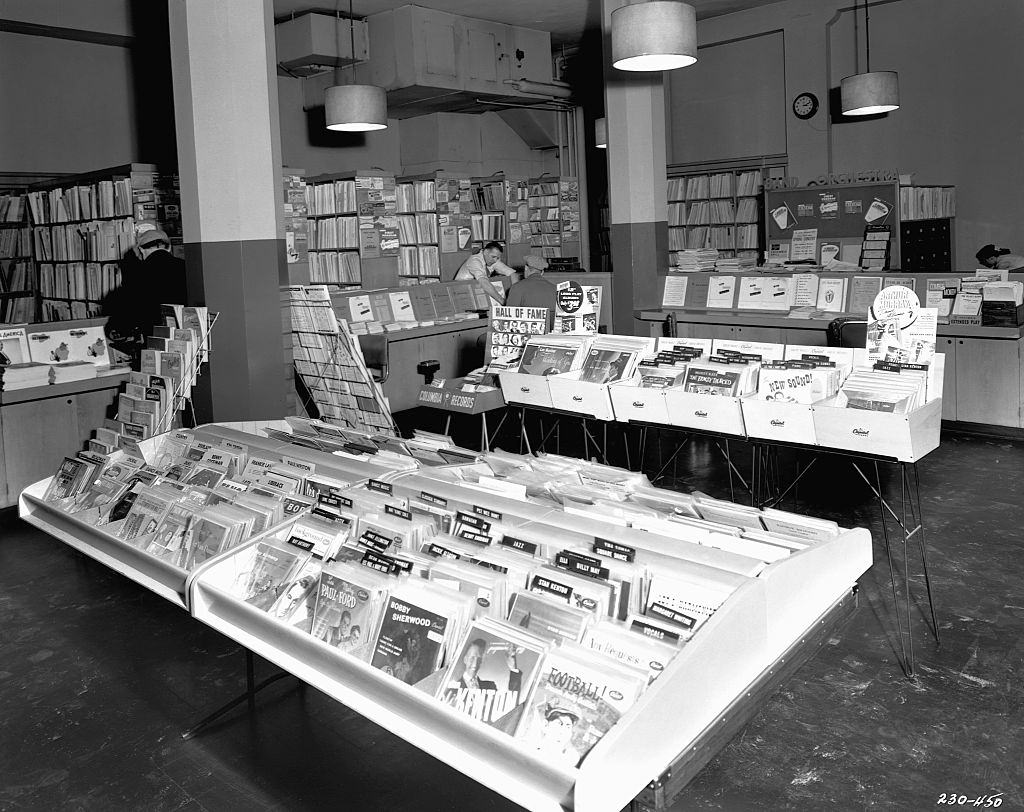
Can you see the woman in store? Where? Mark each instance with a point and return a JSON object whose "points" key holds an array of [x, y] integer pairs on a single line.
{"points": [[999, 259]]}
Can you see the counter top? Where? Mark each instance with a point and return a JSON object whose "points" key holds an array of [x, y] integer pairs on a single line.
{"points": [[753, 318], [434, 330], [62, 389]]}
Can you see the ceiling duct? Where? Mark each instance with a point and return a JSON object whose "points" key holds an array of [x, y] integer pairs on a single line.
{"points": [[309, 44], [432, 61], [537, 128]]}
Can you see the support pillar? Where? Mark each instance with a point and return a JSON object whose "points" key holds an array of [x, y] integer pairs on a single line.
{"points": [[223, 60], [637, 189]]}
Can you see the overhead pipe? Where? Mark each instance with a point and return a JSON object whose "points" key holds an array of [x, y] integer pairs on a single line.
{"points": [[556, 90]]}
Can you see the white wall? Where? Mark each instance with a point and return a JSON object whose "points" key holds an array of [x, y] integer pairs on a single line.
{"points": [[962, 115], [67, 106]]}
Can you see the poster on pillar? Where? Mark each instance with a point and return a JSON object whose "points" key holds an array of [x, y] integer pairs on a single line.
{"points": [[577, 308], [509, 330]]}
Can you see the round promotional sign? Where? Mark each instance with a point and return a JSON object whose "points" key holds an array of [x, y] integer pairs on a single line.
{"points": [[569, 297], [896, 303]]}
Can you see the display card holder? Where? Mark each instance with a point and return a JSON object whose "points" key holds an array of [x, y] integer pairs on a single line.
{"points": [[453, 399], [525, 390], [637, 403], [570, 394], [780, 422], [716, 413]]}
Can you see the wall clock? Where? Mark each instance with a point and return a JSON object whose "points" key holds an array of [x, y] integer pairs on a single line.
{"points": [[805, 105]]}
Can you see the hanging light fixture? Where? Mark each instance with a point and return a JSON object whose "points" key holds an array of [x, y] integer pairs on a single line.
{"points": [[871, 92], [601, 133], [354, 107], [655, 35]]}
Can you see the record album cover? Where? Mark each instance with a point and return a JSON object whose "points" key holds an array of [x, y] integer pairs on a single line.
{"points": [[408, 645]]}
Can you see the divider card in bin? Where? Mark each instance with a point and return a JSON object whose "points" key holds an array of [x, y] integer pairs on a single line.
{"points": [[642, 404], [570, 394]]}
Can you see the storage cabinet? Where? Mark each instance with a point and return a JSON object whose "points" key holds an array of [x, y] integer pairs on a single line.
{"points": [[455, 350], [40, 426], [988, 381]]}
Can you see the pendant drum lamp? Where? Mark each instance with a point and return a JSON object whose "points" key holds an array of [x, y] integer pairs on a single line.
{"points": [[871, 92], [654, 36], [355, 107], [601, 133]]}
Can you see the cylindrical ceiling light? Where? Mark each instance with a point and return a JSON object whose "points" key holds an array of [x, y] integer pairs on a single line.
{"points": [[871, 92], [601, 133], [655, 35], [867, 94], [354, 107]]}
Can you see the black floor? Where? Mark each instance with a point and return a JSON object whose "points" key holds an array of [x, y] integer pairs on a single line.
{"points": [[98, 678]]}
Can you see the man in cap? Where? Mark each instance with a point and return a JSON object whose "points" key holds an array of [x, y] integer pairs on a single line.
{"points": [[534, 290], [150, 277]]}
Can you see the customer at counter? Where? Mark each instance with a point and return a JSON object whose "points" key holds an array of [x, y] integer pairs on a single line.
{"points": [[534, 290], [485, 263]]}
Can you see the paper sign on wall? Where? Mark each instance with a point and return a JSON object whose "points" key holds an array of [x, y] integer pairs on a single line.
{"points": [[804, 245], [675, 291], [778, 252]]}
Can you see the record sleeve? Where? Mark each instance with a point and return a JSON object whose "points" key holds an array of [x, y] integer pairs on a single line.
{"points": [[297, 600], [491, 673], [264, 570], [578, 697], [547, 617], [347, 612], [542, 359], [409, 643], [605, 366]]}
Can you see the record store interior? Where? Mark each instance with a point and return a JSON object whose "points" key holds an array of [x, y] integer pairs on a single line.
{"points": [[588, 405]]}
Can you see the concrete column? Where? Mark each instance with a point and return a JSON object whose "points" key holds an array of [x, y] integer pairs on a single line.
{"points": [[635, 110], [229, 161]]}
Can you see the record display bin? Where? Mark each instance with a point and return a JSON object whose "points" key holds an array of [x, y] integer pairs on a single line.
{"points": [[771, 618], [159, 576], [762, 621], [903, 437]]}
